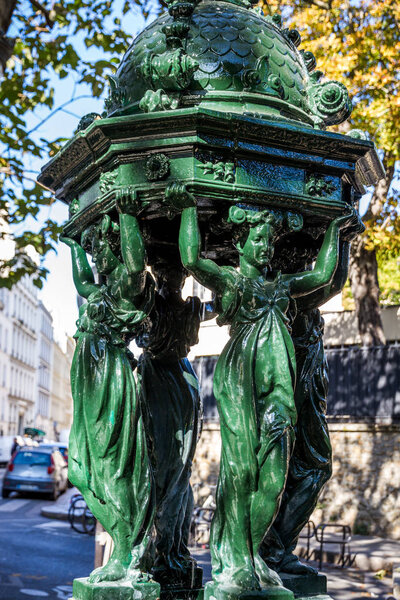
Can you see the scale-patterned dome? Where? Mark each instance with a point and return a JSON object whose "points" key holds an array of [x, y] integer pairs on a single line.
{"points": [[226, 54]]}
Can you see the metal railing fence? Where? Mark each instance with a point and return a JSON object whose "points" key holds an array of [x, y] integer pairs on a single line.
{"points": [[364, 382]]}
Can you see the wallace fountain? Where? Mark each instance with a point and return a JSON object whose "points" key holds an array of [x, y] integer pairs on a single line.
{"points": [[211, 159]]}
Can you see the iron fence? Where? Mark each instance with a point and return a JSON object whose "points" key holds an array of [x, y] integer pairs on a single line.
{"points": [[364, 383]]}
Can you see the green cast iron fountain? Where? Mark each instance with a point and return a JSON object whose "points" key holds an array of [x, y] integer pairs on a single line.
{"points": [[211, 158]]}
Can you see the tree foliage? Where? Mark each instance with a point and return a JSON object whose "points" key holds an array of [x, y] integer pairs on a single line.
{"points": [[43, 39], [358, 43]]}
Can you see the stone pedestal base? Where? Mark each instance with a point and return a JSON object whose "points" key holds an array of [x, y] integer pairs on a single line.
{"points": [[190, 588], [115, 590], [213, 591], [306, 587], [182, 594]]}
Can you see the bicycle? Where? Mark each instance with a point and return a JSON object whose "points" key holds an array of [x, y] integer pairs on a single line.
{"points": [[80, 517]]}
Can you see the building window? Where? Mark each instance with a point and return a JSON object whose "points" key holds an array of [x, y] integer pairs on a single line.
{"points": [[43, 404]]}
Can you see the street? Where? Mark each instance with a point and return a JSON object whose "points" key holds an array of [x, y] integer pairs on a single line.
{"points": [[40, 557]]}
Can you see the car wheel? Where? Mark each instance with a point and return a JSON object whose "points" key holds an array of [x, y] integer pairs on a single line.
{"points": [[5, 493]]}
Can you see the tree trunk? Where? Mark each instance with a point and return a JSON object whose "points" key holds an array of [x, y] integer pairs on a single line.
{"points": [[365, 288], [7, 8], [363, 273]]}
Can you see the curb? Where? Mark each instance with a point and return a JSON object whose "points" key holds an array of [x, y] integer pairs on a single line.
{"points": [[52, 513], [59, 510]]}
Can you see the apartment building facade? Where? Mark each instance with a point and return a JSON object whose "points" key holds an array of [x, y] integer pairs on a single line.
{"points": [[23, 367]]}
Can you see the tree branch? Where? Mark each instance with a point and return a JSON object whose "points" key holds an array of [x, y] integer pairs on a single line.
{"points": [[7, 8], [319, 3], [379, 195], [58, 109], [43, 10]]}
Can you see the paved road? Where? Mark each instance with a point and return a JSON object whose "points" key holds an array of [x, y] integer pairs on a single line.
{"points": [[39, 557]]}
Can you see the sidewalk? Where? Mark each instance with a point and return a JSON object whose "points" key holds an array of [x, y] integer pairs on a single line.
{"points": [[59, 508], [343, 584], [372, 553]]}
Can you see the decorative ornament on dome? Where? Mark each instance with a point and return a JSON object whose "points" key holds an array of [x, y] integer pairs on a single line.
{"points": [[309, 60], [172, 70], [293, 35], [181, 8], [158, 100], [250, 79], [116, 94], [204, 52], [330, 101], [275, 83]]}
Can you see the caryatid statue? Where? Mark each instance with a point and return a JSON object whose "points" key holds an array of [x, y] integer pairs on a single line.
{"points": [[217, 99], [310, 465], [253, 384], [171, 407], [108, 459]]}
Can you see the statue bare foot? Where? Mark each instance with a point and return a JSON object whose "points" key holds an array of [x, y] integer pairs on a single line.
{"points": [[241, 579], [137, 576], [112, 571], [291, 564], [266, 575]]}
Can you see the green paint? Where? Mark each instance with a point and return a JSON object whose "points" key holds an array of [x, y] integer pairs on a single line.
{"points": [[310, 584], [214, 114], [192, 380], [234, 58], [171, 407], [126, 590], [311, 462]]}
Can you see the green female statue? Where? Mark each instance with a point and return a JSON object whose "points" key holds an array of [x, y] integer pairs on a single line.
{"points": [[253, 385], [108, 459], [311, 462], [171, 408]]}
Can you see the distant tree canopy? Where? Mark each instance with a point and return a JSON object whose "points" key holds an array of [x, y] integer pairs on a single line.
{"points": [[357, 43], [37, 50]]}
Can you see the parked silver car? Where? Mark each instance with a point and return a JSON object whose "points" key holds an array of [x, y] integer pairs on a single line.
{"points": [[38, 469]]}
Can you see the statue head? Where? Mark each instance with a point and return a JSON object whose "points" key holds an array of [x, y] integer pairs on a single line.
{"points": [[256, 231], [102, 241]]}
